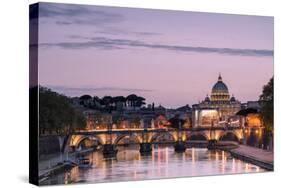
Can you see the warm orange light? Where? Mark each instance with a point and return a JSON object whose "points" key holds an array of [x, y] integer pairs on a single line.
{"points": [[253, 120]]}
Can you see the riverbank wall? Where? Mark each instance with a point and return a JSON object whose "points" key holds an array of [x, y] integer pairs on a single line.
{"points": [[256, 156], [50, 144], [60, 164], [260, 157]]}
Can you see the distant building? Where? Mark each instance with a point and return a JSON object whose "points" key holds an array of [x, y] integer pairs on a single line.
{"points": [[161, 122], [251, 104], [160, 109], [97, 120], [219, 108]]}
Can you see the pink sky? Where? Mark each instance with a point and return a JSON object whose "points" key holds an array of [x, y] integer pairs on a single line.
{"points": [[171, 58]]}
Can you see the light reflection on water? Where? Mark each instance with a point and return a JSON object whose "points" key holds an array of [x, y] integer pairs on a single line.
{"points": [[162, 163]]}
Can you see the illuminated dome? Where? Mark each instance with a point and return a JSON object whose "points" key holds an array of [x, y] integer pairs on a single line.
{"points": [[220, 91]]}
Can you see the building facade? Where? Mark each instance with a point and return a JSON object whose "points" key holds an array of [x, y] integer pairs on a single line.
{"points": [[217, 109]]}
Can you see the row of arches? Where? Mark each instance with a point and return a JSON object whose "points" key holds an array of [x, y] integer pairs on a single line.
{"points": [[88, 141]]}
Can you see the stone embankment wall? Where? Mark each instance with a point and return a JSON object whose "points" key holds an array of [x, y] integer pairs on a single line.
{"points": [[50, 144]]}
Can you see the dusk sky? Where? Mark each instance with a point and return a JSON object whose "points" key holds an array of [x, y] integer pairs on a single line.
{"points": [[172, 58]]}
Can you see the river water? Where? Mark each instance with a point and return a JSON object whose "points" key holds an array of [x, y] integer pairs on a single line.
{"points": [[162, 163]]}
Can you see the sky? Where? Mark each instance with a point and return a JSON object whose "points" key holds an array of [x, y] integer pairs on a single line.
{"points": [[172, 58]]}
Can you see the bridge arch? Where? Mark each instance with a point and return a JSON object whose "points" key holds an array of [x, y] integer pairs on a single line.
{"points": [[160, 135], [130, 136], [230, 136], [78, 139], [198, 136], [91, 138]]}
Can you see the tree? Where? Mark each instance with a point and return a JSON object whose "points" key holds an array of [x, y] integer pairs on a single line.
{"points": [[135, 101], [245, 112], [107, 101], [140, 101], [85, 97], [266, 101], [85, 100], [119, 99], [267, 114], [56, 113], [132, 99]]}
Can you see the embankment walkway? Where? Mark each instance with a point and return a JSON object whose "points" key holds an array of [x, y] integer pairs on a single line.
{"points": [[257, 156]]}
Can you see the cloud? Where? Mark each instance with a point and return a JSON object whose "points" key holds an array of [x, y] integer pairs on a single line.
{"points": [[93, 90], [147, 33], [66, 14], [116, 31], [81, 45], [111, 44]]}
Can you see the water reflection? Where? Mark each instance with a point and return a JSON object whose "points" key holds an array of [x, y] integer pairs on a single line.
{"points": [[162, 163]]}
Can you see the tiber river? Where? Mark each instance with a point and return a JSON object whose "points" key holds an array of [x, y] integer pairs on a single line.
{"points": [[162, 163]]}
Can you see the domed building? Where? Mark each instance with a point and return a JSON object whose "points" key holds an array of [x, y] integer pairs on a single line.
{"points": [[219, 108], [220, 91]]}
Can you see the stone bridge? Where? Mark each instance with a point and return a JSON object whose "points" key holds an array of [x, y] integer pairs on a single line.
{"points": [[150, 136]]}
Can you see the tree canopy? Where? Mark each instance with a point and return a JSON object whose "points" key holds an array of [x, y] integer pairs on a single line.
{"points": [[56, 113], [85, 97], [266, 101], [245, 112]]}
